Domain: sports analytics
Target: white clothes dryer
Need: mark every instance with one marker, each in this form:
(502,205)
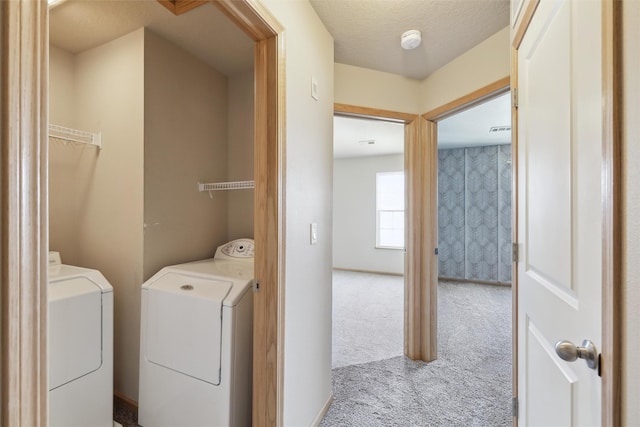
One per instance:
(196,342)
(80,346)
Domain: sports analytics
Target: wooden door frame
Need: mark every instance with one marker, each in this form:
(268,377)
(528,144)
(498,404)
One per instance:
(24,232)
(269,232)
(420,304)
(429,125)
(611,179)
(24,214)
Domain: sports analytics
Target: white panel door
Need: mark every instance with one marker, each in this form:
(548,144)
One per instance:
(559,211)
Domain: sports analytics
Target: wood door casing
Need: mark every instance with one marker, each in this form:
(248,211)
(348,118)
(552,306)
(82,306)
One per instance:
(420,309)
(269,140)
(24,233)
(430,135)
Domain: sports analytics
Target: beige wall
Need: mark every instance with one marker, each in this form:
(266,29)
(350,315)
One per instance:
(309,165)
(354,218)
(61,89)
(240,163)
(185,134)
(631,219)
(375,89)
(109,191)
(63,157)
(484,64)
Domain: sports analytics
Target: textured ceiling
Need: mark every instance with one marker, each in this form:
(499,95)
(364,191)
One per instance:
(367,32)
(358,137)
(78,25)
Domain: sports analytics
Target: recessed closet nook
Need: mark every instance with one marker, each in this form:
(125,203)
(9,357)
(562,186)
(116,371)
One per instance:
(172,99)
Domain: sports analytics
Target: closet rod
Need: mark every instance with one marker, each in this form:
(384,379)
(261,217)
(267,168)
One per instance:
(233,185)
(74,135)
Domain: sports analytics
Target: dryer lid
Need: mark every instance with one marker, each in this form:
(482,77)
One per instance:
(183,323)
(71,287)
(190,286)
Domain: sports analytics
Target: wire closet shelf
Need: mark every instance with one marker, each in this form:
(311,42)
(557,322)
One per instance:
(232,185)
(75,136)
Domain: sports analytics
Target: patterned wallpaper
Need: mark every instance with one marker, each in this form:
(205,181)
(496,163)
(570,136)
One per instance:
(504,213)
(451,218)
(474,213)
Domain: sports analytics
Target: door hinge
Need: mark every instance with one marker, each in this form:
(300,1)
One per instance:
(515,253)
(514,407)
(256,286)
(436,251)
(514,97)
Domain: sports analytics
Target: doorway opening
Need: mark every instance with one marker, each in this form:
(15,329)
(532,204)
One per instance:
(158,89)
(474,194)
(475,218)
(464,315)
(368,240)
(264,143)
(414,330)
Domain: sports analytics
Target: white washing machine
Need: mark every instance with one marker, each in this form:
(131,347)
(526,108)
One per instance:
(80,346)
(196,342)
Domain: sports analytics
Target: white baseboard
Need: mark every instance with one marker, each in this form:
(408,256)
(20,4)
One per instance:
(323,411)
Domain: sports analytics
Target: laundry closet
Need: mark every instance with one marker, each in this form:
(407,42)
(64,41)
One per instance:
(168,120)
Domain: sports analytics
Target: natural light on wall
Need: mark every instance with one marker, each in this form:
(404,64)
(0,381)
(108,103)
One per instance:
(390,210)
(54,3)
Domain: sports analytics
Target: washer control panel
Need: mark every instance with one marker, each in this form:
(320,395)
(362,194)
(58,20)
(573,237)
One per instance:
(236,249)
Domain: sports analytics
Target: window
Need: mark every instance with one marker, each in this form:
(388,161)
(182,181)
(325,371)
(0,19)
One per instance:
(390,210)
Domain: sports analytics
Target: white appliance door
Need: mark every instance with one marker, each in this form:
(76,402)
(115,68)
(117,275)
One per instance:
(75,330)
(183,324)
(559,129)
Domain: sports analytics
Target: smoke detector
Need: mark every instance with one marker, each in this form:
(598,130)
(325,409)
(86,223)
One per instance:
(410,39)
